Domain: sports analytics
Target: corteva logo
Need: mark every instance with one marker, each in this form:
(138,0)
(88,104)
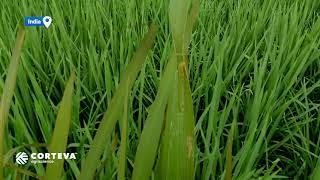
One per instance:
(22,158)
(35,158)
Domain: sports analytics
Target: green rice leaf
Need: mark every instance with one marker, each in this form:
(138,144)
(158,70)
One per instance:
(8,91)
(178,15)
(316,172)
(123,143)
(150,137)
(177,146)
(110,117)
(168,149)
(228,175)
(60,135)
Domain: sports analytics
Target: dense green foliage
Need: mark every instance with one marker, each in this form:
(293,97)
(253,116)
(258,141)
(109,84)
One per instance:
(254,72)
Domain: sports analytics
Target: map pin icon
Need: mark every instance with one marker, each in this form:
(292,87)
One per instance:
(47,21)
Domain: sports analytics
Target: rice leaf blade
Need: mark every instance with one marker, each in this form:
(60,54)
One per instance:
(177,145)
(60,135)
(123,143)
(316,172)
(228,175)
(110,117)
(8,92)
(150,137)
(177,151)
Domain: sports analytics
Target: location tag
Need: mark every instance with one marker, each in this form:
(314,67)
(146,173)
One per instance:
(47,21)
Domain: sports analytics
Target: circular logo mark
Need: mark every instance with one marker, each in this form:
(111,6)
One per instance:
(22,158)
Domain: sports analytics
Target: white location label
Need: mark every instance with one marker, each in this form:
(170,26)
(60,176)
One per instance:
(47,20)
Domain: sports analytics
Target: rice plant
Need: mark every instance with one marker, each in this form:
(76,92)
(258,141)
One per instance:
(221,89)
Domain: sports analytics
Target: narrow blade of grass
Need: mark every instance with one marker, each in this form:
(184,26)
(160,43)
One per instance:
(60,135)
(8,91)
(150,137)
(228,175)
(110,117)
(123,143)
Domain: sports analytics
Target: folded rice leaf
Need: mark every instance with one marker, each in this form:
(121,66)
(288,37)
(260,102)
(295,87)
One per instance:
(123,143)
(177,146)
(166,168)
(8,91)
(61,130)
(188,121)
(150,137)
(178,16)
(112,114)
